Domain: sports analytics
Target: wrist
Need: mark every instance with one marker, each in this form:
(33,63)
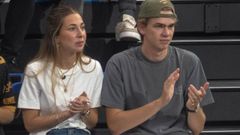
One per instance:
(85,114)
(193,110)
(160,103)
(69,113)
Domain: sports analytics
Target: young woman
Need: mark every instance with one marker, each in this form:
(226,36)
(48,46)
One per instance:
(61,89)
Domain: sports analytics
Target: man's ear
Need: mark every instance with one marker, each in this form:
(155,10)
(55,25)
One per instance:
(141,28)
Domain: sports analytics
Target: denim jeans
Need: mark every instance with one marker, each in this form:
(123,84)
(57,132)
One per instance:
(67,131)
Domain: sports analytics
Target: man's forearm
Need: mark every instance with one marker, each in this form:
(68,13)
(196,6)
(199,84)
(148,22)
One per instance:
(196,121)
(120,121)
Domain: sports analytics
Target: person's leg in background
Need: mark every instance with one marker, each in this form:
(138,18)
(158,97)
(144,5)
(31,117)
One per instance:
(18,19)
(126,29)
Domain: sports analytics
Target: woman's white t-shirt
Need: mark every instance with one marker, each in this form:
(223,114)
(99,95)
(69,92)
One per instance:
(36,91)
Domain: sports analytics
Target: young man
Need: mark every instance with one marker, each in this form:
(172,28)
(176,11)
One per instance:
(155,88)
(7,98)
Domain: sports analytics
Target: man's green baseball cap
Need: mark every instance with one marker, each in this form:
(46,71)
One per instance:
(154,8)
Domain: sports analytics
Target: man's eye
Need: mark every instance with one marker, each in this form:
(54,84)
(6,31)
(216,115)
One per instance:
(160,26)
(171,26)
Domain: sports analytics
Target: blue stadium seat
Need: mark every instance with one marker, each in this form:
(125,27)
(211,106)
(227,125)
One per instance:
(16,79)
(18,76)
(16,87)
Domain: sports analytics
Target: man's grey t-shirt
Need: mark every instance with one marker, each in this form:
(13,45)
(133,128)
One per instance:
(131,81)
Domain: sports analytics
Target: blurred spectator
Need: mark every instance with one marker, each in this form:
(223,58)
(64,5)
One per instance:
(7,97)
(126,29)
(19,16)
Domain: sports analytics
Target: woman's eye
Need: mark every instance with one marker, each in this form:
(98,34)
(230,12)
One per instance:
(82,27)
(71,28)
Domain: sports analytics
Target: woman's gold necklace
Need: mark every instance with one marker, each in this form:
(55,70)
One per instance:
(63,76)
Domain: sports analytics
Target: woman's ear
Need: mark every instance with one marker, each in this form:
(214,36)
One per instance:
(57,41)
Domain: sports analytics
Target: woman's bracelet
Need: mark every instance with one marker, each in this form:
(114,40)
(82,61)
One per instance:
(85,114)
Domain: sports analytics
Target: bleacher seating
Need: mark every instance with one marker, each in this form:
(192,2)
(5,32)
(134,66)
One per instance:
(209,28)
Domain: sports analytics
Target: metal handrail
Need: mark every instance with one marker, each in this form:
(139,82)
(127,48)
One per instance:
(225,84)
(204,40)
(222,131)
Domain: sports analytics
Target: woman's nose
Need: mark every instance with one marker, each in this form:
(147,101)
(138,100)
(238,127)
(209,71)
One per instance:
(80,32)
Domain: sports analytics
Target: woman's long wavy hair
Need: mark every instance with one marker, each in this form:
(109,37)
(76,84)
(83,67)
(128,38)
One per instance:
(49,51)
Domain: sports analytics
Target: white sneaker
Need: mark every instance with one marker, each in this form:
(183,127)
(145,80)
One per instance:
(126,30)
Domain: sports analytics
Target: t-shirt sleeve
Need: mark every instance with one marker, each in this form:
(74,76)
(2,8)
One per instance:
(95,96)
(113,89)
(197,78)
(29,93)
